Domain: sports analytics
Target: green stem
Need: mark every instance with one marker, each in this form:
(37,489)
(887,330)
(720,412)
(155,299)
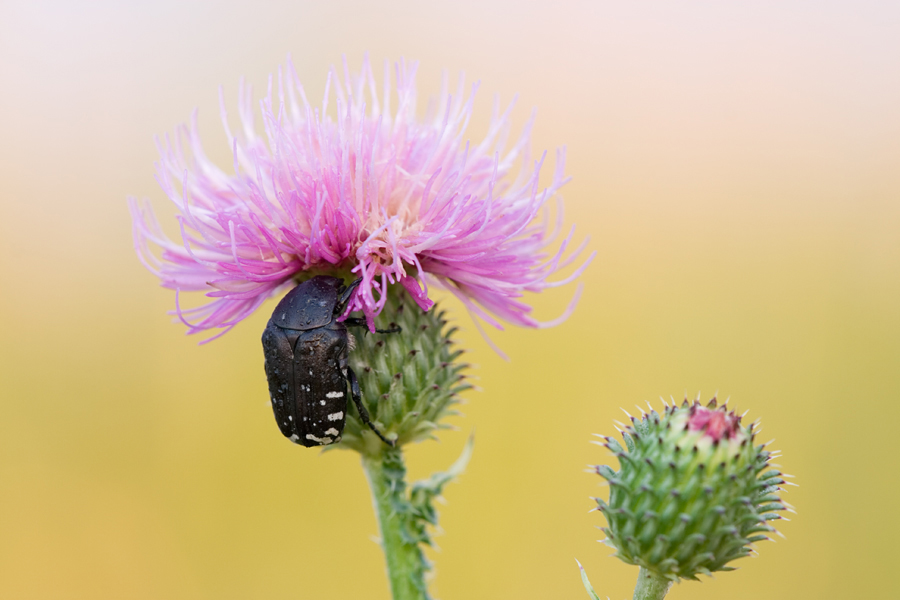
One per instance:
(406,565)
(651,586)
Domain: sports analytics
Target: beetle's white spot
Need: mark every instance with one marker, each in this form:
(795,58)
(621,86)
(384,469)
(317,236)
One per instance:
(334,395)
(295,438)
(336,416)
(310,373)
(283,315)
(324,441)
(322,402)
(290,418)
(332,431)
(304,418)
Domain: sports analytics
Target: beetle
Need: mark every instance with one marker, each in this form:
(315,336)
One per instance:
(306,360)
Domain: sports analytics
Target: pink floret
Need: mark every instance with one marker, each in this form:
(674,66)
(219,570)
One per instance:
(717,424)
(370,188)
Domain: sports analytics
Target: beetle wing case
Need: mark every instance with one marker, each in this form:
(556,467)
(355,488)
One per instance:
(320,385)
(279,371)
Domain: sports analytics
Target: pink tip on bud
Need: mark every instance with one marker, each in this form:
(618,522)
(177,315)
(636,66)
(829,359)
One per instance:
(717,424)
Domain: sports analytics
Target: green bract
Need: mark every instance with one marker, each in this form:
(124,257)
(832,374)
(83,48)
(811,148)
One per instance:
(692,493)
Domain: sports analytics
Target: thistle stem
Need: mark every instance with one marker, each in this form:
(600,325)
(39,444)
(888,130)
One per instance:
(406,565)
(651,586)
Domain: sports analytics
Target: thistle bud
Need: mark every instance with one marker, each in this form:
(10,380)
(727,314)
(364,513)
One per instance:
(692,493)
(410,380)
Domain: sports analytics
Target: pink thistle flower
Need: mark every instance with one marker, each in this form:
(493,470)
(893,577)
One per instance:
(373,190)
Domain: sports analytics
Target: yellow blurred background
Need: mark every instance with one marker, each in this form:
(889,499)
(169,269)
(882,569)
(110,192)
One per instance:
(736,165)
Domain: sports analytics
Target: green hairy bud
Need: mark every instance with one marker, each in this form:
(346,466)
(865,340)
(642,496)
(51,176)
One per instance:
(693,492)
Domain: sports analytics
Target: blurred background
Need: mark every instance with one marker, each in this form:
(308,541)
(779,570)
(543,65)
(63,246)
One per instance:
(736,166)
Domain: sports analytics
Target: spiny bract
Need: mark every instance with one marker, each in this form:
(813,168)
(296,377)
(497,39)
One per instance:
(692,493)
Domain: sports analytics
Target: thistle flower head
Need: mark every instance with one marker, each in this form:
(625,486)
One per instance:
(369,188)
(693,492)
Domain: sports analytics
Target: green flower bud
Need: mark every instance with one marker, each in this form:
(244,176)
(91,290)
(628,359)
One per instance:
(693,492)
(410,381)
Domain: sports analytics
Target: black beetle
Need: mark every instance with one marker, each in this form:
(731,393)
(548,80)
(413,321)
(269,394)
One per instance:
(306,351)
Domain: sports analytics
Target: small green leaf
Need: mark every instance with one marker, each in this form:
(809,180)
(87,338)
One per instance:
(432,486)
(587,584)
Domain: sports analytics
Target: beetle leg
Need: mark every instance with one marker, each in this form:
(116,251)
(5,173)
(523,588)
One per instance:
(344,297)
(357,322)
(357,400)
